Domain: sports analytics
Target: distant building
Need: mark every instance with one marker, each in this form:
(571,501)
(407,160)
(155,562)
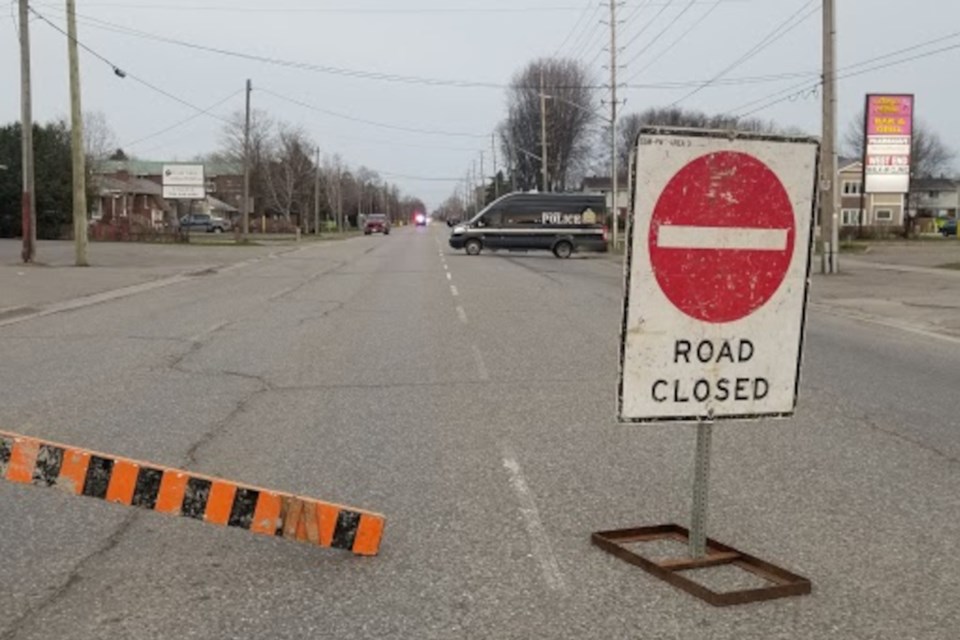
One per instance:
(883,212)
(123,199)
(604,185)
(224,186)
(935,198)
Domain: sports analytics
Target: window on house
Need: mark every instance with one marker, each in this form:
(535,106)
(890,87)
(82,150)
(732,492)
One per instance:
(850,217)
(851,188)
(884,215)
(211,186)
(933,194)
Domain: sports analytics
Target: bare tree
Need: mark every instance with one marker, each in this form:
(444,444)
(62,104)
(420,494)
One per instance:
(569,115)
(930,155)
(261,143)
(289,173)
(333,179)
(99,141)
(629,125)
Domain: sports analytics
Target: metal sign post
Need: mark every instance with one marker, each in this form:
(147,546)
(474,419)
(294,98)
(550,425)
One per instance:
(716,278)
(701,482)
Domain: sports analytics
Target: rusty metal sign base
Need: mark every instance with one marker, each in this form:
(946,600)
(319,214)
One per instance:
(783,584)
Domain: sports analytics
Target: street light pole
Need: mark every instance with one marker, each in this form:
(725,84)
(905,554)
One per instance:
(28,205)
(76,142)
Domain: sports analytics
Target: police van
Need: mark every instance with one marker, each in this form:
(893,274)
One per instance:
(563,223)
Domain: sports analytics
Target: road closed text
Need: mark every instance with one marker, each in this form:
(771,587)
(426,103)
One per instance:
(726,355)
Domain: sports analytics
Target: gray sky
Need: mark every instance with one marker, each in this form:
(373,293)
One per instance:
(463,40)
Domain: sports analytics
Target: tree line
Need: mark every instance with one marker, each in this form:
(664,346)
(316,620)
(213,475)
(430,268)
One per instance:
(578,134)
(284,175)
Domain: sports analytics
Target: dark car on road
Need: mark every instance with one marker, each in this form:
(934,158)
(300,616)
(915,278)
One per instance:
(949,228)
(376,223)
(204,222)
(562,223)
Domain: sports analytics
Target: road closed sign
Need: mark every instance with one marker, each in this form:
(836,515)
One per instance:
(718,261)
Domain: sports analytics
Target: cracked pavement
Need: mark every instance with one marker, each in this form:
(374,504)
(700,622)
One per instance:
(344,371)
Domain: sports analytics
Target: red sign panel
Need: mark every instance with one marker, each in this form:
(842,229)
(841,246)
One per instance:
(722,237)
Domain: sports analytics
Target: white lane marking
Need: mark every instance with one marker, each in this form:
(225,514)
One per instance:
(481,365)
(539,542)
(449,276)
(685,237)
(462,313)
(850,314)
(454,290)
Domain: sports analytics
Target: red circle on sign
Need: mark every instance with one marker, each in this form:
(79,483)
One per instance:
(722,237)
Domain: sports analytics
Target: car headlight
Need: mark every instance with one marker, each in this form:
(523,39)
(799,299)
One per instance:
(458,230)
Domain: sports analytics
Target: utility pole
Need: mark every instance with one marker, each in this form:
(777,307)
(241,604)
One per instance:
(28,204)
(483,182)
(473,185)
(829,233)
(316,194)
(543,134)
(496,175)
(245,207)
(76,142)
(613,123)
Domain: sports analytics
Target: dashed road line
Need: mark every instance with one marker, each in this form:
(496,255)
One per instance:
(540,545)
(461,312)
(454,290)
(449,276)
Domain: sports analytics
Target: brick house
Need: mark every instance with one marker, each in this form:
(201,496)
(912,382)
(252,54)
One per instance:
(121,199)
(224,183)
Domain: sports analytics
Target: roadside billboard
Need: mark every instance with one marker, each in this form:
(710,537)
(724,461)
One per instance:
(183,182)
(889,135)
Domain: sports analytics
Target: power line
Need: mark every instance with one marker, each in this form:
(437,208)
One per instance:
(798,90)
(586,34)
(583,14)
(373,123)
(662,32)
(185,120)
(227,8)
(126,74)
(648,25)
(663,52)
(779,32)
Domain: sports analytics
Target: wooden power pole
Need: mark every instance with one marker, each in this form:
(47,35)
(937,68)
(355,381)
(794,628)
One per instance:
(614,170)
(76,142)
(245,206)
(829,233)
(28,203)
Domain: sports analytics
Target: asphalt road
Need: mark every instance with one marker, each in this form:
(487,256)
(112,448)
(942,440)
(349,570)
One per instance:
(471,400)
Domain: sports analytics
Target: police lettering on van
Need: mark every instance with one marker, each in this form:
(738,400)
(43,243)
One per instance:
(563,223)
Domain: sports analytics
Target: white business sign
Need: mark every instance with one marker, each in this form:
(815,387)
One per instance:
(889,139)
(183,175)
(716,280)
(182,192)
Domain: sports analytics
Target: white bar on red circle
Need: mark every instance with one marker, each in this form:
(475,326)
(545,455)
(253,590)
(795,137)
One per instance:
(744,239)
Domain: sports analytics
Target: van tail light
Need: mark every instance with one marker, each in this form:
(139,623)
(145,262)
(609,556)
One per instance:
(606,234)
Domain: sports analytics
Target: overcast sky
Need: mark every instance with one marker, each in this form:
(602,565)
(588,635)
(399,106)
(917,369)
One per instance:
(472,41)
